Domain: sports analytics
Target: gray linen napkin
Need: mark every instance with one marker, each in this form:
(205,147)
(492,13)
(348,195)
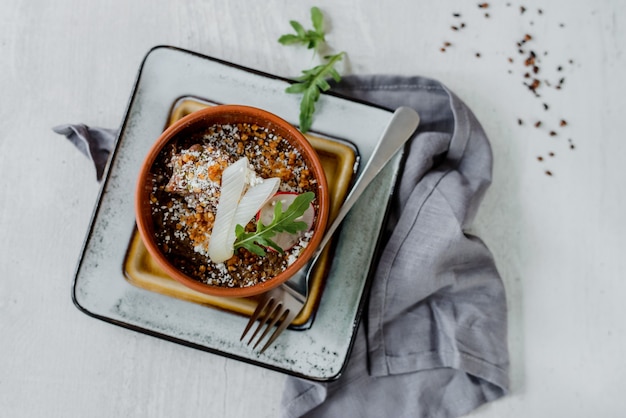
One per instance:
(433,342)
(95,143)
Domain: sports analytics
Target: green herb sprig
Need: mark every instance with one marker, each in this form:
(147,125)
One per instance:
(257,241)
(311,38)
(313,81)
(311,84)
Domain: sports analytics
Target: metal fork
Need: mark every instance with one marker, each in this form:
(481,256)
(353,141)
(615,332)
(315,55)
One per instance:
(279,307)
(282,304)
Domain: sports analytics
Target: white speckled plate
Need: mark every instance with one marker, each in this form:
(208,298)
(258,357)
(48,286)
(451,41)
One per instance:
(100,289)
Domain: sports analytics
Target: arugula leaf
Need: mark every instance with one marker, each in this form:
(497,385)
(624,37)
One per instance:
(311,83)
(282,222)
(311,38)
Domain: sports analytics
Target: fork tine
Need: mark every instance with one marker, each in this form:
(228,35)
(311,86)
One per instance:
(269,307)
(257,312)
(279,314)
(281,327)
(265,319)
(275,312)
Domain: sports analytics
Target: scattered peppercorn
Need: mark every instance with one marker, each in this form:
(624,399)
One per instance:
(534,86)
(537,75)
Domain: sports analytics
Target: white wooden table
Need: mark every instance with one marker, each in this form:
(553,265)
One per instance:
(559,239)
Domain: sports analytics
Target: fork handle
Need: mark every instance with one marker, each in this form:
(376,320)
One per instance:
(400,128)
(398,131)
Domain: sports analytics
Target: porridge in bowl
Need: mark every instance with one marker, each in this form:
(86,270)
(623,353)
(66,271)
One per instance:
(232,204)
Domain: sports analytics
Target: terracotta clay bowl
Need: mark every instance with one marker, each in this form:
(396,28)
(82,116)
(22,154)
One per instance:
(194,126)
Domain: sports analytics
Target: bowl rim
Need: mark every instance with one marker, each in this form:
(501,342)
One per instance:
(144,222)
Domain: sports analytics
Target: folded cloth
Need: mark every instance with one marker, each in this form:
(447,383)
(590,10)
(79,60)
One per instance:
(433,342)
(95,143)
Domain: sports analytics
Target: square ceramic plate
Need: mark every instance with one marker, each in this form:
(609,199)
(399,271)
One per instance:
(339,160)
(100,289)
